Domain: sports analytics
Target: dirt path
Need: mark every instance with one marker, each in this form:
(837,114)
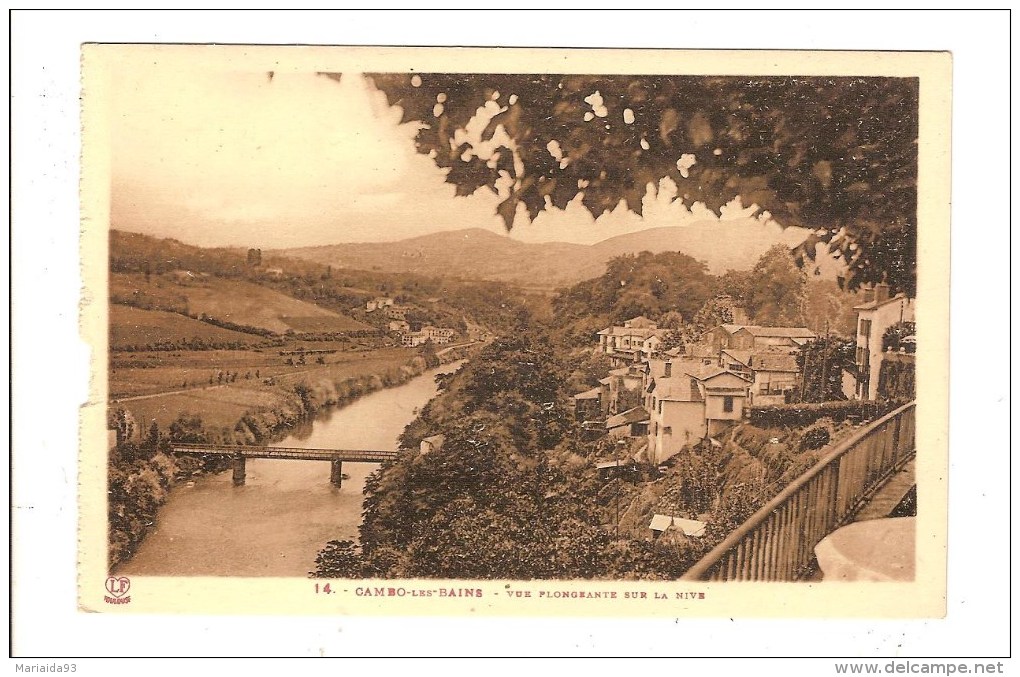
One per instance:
(163,393)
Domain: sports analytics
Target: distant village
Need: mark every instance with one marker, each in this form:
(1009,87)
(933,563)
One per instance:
(398,324)
(665,400)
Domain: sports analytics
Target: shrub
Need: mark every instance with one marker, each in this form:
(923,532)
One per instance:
(815,438)
(792,415)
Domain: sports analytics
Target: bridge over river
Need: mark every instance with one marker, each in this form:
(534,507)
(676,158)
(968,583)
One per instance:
(240,452)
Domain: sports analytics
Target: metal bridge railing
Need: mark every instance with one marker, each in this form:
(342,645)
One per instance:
(777,542)
(251,451)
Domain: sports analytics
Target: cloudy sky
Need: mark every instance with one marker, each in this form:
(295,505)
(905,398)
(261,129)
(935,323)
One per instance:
(239,158)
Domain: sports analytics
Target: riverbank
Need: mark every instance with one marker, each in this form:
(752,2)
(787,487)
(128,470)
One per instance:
(276,523)
(142,474)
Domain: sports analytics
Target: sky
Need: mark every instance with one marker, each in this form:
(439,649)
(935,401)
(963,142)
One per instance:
(235,158)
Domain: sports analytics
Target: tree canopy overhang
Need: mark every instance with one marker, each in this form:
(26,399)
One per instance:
(836,155)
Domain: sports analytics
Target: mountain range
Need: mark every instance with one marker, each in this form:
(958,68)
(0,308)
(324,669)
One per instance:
(479,253)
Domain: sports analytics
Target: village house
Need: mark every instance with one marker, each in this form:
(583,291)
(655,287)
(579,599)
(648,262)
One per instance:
(378,303)
(588,405)
(630,423)
(737,361)
(399,325)
(614,468)
(412,339)
(621,381)
(638,339)
(688,401)
(439,335)
(396,312)
(700,352)
(756,338)
(774,373)
(874,317)
(721,337)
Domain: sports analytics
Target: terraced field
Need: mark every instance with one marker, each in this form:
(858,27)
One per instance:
(235,301)
(136,327)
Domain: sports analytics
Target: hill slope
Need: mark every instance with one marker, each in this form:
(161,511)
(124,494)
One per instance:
(478,253)
(136,328)
(471,253)
(735,244)
(236,301)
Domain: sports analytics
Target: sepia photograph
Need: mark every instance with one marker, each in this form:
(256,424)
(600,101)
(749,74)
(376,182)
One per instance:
(447,326)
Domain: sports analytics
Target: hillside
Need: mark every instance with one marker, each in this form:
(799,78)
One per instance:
(165,274)
(227,300)
(723,245)
(470,253)
(479,253)
(136,328)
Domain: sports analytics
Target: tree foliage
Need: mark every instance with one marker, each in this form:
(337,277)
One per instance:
(776,291)
(643,284)
(837,155)
(893,337)
(139,475)
(821,363)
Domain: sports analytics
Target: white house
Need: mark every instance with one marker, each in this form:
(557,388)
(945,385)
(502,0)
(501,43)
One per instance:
(412,339)
(439,335)
(873,319)
(638,339)
(688,401)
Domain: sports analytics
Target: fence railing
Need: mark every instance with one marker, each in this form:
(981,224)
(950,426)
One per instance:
(777,542)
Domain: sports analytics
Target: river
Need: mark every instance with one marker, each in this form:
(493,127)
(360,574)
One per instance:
(287,510)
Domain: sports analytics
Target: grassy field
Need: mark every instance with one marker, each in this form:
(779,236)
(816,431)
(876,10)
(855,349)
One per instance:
(234,301)
(136,327)
(220,403)
(222,384)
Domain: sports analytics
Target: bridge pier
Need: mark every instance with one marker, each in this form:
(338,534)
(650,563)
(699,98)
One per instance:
(239,470)
(336,473)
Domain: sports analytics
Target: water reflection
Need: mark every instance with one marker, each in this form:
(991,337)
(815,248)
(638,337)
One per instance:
(287,510)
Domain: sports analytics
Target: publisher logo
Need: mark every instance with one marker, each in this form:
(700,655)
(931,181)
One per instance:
(118,586)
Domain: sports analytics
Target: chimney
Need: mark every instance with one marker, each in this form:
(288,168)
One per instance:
(869,294)
(881,292)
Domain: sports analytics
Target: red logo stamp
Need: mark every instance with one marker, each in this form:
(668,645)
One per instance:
(118,586)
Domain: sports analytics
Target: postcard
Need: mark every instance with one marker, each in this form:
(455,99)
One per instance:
(516,332)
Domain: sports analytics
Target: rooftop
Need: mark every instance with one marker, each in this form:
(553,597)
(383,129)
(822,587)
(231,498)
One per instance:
(878,304)
(688,527)
(640,322)
(784,332)
(774,362)
(635,415)
(741,356)
(631,331)
(681,388)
